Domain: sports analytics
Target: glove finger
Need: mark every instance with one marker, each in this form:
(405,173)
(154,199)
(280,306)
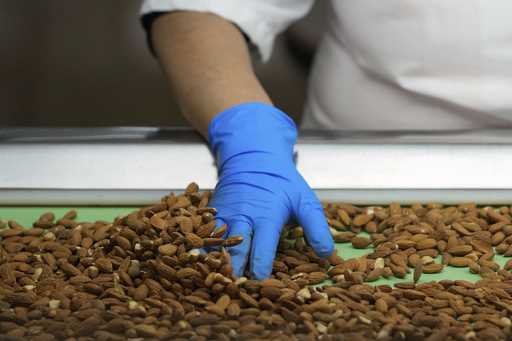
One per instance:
(264,246)
(312,219)
(240,253)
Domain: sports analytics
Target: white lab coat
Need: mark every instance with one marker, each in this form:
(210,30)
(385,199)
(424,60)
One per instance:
(391,64)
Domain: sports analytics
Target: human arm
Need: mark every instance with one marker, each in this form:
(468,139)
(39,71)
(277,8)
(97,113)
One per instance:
(208,65)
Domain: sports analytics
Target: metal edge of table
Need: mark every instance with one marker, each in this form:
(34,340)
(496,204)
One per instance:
(70,197)
(127,166)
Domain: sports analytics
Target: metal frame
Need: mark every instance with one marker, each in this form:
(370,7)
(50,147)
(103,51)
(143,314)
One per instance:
(106,166)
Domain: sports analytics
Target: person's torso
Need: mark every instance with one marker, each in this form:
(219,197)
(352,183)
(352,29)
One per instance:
(398,64)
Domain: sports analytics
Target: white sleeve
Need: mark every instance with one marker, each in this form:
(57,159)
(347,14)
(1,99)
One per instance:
(260,20)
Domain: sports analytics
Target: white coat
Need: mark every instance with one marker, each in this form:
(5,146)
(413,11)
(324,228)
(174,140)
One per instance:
(391,64)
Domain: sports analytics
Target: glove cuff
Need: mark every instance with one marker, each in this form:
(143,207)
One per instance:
(252,128)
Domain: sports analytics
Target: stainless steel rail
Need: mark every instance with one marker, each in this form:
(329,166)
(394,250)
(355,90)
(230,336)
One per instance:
(124,166)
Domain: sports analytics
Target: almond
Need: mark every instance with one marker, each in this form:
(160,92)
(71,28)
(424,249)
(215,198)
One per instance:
(360,242)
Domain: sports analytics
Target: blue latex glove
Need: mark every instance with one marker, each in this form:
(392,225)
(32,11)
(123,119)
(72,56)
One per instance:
(259,187)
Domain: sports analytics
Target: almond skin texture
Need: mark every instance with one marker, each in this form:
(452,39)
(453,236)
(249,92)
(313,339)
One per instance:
(165,272)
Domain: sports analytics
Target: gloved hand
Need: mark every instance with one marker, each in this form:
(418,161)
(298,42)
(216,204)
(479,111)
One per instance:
(259,187)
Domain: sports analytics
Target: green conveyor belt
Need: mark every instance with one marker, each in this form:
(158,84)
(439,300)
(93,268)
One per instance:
(26,215)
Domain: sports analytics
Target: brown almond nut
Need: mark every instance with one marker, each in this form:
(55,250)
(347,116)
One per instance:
(80,279)
(185,224)
(69,269)
(417,233)
(487,256)
(337,270)
(248,300)
(413,259)
(12,247)
(452,241)
(344,217)
(125,278)
(219,232)
(123,242)
(461,229)
(101,232)
(233,309)
(360,242)
(321,305)
(418,270)
(371,227)
(6,233)
(76,237)
(181,202)
(373,275)
(167,249)
(272,282)
(87,242)
(361,220)
(399,271)
(459,250)
(427,243)
(336,224)
(474,267)
(104,264)
(93,288)
(20,299)
(307,267)
(441,245)
(272,293)
(233,241)
(316,277)
(214,309)
(432,268)
(501,248)
(398,259)
(334,259)
(343,237)
(508,252)
(507,229)
(223,301)
(362,264)
(489,264)
(459,261)
(204,231)
(508,265)
(158,222)
(168,272)
(141,292)
(497,238)
(193,240)
(405,244)
(192,188)
(481,245)
(147,331)
(414,294)
(210,242)
(188,273)
(381,305)
(428,253)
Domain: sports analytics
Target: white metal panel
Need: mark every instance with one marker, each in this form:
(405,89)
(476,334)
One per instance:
(131,168)
(105,166)
(406,166)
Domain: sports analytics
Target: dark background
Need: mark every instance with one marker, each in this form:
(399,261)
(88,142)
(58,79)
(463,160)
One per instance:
(86,63)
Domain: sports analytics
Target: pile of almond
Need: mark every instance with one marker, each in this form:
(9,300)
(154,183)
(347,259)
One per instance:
(420,237)
(164,273)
